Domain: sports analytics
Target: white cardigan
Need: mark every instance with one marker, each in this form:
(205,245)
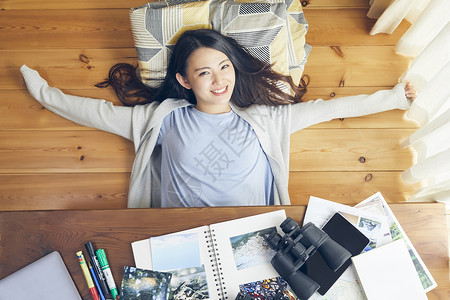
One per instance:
(273,126)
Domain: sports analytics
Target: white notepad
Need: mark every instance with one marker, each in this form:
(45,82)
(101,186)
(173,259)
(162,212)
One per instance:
(47,278)
(388,273)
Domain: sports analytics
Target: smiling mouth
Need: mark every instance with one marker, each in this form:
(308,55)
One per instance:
(221,91)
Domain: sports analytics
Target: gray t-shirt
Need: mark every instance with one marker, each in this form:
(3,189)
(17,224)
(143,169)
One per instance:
(212,160)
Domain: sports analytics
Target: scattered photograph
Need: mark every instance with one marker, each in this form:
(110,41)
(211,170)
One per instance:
(251,249)
(143,284)
(175,251)
(371,228)
(188,284)
(267,289)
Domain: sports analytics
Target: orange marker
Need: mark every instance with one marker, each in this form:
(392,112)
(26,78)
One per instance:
(87,275)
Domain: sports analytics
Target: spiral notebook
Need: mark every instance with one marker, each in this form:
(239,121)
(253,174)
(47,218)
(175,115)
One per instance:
(213,260)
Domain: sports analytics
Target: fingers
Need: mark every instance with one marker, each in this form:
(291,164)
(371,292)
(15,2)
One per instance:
(410,92)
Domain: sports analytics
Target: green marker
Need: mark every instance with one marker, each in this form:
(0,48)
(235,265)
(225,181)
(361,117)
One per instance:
(105,267)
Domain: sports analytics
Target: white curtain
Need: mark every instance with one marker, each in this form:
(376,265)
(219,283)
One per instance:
(428,41)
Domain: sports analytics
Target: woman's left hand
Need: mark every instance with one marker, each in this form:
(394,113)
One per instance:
(410,92)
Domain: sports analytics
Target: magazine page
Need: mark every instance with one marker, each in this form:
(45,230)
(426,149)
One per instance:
(377,203)
(242,252)
(184,254)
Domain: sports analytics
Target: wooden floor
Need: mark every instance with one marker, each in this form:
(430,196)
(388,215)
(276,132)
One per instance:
(47,162)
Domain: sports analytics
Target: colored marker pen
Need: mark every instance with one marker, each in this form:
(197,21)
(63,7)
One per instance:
(105,267)
(88,277)
(97,269)
(97,285)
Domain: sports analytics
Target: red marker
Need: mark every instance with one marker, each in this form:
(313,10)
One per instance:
(87,275)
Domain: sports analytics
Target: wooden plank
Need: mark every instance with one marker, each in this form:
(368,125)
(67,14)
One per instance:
(63,191)
(64,151)
(336,91)
(40,29)
(69,4)
(88,4)
(65,69)
(337,4)
(19,111)
(331,27)
(348,187)
(110,28)
(355,66)
(350,150)
(95,151)
(109,190)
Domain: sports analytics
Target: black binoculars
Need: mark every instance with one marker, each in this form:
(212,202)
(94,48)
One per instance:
(295,247)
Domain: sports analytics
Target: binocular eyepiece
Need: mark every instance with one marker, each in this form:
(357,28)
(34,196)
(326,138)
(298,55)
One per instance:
(295,247)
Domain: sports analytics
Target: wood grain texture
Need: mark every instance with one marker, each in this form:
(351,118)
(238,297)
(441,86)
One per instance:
(64,191)
(74,43)
(20,111)
(69,4)
(110,28)
(65,69)
(67,231)
(64,151)
(96,151)
(65,29)
(110,190)
(346,27)
(349,66)
(348,188)
(350,150)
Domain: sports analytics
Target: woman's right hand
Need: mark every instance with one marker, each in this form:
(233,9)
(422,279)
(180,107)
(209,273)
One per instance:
(410,92)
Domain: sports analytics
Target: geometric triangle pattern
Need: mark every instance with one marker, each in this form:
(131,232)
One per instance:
(156,27)
(257,27)
(271,30)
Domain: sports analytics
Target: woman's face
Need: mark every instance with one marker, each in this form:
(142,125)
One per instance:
(210,75)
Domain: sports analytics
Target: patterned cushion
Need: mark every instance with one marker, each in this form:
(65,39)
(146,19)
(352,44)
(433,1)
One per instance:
(258,27)
(298,49)
(272,30)
(156,27)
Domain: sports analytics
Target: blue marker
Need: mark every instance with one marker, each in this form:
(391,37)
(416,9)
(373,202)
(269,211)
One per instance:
(97,285)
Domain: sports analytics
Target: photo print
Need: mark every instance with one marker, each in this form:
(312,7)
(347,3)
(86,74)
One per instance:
(175,251)
(188,284)
(251,249)
(371,229)
(264,289)
(140,284)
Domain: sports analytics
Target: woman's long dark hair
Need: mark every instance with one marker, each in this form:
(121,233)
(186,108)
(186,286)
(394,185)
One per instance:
(256,82)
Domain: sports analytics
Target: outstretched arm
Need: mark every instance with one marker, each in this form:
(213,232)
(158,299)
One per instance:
(318,111)
(89,112)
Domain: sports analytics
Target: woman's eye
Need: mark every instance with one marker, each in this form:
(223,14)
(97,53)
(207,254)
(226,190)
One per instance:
(225,66)
(203,73)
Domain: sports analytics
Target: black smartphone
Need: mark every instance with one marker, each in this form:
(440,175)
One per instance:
(348,236)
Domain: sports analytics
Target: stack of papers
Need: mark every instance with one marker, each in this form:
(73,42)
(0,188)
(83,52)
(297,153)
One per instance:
(375,219)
